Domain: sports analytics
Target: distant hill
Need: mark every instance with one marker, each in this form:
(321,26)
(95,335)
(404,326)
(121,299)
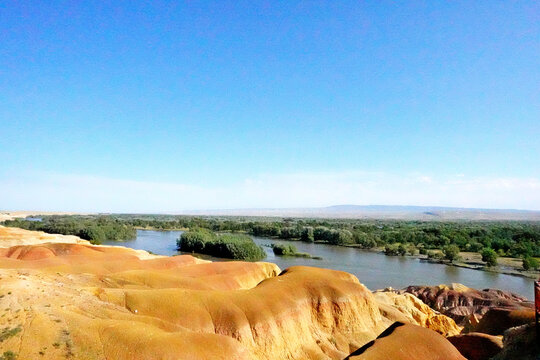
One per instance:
(389,212)
(382,212)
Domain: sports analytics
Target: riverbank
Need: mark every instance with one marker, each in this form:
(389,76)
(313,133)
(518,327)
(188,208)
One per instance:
(469,260)
(158,229)
(81,301)
(377,271)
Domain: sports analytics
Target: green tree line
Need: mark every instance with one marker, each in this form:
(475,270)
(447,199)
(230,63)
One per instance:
(94,229)
(505,238)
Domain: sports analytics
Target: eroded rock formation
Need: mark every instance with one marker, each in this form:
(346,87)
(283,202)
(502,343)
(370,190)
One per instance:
(407,342)
(497,320)
(408,308)
(80,301)
(477,346)
(465,305)
(521,343)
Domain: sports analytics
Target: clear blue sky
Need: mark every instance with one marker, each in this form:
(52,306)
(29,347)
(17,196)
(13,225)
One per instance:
(206,98)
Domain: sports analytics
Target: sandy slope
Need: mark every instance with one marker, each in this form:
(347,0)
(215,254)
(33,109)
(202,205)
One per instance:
(14,236)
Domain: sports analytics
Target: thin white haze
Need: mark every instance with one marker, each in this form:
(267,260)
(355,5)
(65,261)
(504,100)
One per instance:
(61,192)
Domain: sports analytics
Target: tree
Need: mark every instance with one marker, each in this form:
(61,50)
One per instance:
(319,233)
(94,233)
(451,252)
(282,249)
(474,246)
(307,234)
(530,263)
(489,256)
(411,249)
(391,249)
(402,250)
(365,240)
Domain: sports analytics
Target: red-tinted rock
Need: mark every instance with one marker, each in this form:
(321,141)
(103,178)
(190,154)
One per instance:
(466,305)
(407,342)
(520,343)
(477,346)
(497,320)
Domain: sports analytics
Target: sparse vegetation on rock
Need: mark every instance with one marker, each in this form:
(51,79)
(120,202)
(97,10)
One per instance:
(8,332)
(8,355)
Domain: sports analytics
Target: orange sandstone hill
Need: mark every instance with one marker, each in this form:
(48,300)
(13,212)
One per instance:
(13,236)
(72,300)
(405,341)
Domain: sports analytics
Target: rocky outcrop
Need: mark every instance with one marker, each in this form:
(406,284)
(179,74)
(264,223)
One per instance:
(477,346)
(465,305)
(407,308)
(81,301)
(76,300)
(497,320)
(302,313)
(520,343)
(407,342)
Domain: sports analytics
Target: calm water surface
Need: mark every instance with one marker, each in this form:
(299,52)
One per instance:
(374,270)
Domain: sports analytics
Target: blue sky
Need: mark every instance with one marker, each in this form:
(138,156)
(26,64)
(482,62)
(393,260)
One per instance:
(165,106)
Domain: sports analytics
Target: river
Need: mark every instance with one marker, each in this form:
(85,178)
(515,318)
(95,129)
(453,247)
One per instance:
(374,270)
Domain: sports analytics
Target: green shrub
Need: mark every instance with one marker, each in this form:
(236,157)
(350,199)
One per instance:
(333,236)
(435,255)
(365,240)
(451,252)
(8,355)
(400,249)
(7,332)
(290,250)
(391,249)
(474,246)
(412,249)
(231,246)
(282,249)
(289,232)
(307,234)
(195,240)
(489,256)
(530,263)
(94,233)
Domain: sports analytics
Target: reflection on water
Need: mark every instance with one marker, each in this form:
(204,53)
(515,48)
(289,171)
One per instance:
(374,270)
(451,271)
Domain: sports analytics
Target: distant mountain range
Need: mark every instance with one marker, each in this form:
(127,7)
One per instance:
(382,212)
